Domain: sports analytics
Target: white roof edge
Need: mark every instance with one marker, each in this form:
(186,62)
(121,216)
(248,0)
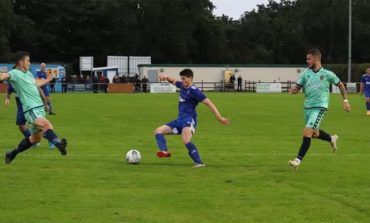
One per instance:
(104,68)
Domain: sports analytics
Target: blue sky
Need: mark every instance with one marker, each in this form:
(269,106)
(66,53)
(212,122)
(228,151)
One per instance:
(235,8)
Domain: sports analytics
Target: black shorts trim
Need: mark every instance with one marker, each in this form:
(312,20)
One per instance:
(316,107)
(319,117)
(33,108)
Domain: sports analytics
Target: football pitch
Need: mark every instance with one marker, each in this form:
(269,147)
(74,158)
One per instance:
(247,178)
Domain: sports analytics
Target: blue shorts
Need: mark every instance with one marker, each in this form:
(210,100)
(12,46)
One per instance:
(179,124)
(367,94)
(20,120)
(45,89)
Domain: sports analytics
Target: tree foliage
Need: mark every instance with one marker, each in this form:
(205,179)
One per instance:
(182,31)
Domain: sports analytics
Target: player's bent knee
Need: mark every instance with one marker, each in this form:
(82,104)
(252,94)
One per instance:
(186,140)
(158,131)
(316,134)
(35,138)
(43,124)
(307,132)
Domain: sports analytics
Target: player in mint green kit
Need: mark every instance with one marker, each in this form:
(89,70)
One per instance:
(315,82)
(27,89)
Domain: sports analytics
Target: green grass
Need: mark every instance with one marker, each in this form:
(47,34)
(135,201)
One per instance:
(247,178)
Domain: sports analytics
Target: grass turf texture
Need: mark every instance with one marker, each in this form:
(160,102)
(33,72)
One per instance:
(247,178)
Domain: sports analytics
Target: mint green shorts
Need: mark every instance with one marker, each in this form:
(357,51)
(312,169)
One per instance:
(33,114)
(313,117)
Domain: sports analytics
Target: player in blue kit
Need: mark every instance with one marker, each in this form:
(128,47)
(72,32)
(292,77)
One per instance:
(41,75)
(186,123)
(365,89)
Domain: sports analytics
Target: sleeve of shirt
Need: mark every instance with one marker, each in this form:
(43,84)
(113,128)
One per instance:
(12,76)
(334,79)
(198,95)
(302,79)
(178,84)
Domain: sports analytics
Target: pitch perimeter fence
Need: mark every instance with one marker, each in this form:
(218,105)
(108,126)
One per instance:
(246,86)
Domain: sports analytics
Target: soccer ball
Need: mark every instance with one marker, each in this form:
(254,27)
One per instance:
(133,156)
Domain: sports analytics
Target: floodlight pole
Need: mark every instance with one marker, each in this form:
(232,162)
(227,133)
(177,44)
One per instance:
(349,73)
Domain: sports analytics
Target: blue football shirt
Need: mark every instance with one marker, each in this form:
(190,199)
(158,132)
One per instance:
(365,79)
(189,99)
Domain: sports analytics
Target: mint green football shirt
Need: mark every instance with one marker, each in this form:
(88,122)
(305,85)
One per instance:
(26,88)
(316,87)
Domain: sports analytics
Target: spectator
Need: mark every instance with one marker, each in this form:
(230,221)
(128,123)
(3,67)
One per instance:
(232,81)
(116,79)
(240,80)
(87,80)
(137,84)
(105,84)
(81,79)
(101,82)
(95,84)
(52,85)
(144,82)
(64,85)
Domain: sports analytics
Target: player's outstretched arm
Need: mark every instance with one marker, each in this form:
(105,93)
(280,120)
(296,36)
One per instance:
(215,111)
(343,91)
(42,82)
(4,76)
(295,89)
(164,77)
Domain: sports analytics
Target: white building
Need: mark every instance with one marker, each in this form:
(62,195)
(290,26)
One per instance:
(218,73)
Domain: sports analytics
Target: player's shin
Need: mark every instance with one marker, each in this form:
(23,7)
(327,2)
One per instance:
(60,144)
(23,146)
(52,137)
(161,142)
(368,106)
(304,147)
(324,136)
(193,153)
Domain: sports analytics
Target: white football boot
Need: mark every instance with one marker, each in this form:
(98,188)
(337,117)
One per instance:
(294,163)
(333,143)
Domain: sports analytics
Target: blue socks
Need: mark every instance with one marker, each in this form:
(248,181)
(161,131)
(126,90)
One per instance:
(161,142)
(368,106)
(304,147)
(52,137)
(26,133)
(193,152)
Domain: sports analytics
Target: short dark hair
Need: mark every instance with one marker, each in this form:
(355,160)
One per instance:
(187,73)
(314,52)
(20,55)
